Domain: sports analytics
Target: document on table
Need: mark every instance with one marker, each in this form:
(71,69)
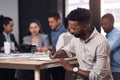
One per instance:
(4,56)
(40,58)
(7,57)
(47,58)
(21,55)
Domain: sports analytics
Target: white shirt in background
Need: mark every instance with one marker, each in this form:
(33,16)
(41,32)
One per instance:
(63,40)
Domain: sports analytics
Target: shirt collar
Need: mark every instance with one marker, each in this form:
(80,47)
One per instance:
(95,32)
(7,36)
(60,26)
(111,32)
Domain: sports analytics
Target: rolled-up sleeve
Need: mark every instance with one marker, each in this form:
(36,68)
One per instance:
(70,48)
(101,68)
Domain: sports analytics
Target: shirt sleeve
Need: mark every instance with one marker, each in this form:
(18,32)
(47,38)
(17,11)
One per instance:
(70,48)
(101,69)
(60,42)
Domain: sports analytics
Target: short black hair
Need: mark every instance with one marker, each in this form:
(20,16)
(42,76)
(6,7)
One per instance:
(81,15)
(65,23)
(109,16)
(55,15)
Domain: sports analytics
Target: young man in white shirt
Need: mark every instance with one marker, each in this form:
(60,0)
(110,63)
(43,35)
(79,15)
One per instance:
(91,49)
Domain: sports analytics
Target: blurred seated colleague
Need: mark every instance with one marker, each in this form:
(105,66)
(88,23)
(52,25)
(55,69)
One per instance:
(6,27)
(57,27)
(37,37)
(63,40)
(65,37)
(91,48)
(113,36)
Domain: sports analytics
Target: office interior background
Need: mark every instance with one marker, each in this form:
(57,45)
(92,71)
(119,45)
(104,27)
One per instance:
(22,11)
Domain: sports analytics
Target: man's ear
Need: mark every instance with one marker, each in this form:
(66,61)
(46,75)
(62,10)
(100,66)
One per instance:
(58,21)
(85,26)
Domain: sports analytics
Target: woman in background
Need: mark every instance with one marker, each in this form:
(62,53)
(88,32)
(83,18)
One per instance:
(6,27)
(36,36)
(41,41)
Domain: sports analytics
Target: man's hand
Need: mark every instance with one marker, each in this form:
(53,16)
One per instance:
(52,55)
(58,54)
(65,64)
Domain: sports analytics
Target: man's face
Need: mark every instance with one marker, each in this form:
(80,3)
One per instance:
(53,23)
(106,25)
(76,29)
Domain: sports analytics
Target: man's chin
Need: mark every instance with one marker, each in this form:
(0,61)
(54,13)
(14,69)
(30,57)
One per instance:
(77,36)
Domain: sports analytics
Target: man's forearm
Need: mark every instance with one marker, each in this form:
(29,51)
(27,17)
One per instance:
(83,73)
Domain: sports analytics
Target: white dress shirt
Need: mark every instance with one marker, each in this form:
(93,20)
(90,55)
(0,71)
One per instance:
(63,40)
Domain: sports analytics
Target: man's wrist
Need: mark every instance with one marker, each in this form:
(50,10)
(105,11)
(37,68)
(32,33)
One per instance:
(75,69)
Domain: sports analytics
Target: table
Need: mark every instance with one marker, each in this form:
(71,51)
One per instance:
(26,63)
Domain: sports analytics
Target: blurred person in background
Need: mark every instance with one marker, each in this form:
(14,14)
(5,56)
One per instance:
(57,27)
(65,37)
(41,40)
(36,36)
(63,40)
(6,28)
(113,36)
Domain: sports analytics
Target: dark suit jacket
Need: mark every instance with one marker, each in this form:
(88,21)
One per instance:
(2,40)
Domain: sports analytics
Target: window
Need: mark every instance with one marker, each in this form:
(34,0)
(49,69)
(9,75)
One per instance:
(113,7)
(73,4)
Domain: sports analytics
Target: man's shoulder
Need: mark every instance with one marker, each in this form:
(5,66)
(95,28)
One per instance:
(114,32)
(117,31)
(63,28)
(102,40)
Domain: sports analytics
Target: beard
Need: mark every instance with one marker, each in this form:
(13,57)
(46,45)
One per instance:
(79,35)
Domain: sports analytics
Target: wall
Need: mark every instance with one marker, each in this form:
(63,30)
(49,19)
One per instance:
(35,9)
(10,8)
